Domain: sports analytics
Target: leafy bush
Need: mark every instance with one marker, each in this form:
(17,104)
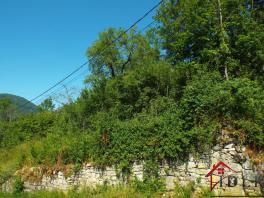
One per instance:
(18,185)
(149,186)
(238,103)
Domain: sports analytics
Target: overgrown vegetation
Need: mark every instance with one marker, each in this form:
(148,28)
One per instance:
(139,190)
(156,96)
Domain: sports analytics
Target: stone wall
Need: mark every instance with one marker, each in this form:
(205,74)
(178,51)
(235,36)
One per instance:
(234,156)
(184,172)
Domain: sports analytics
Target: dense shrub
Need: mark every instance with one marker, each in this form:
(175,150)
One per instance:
(26,128)
(238,103)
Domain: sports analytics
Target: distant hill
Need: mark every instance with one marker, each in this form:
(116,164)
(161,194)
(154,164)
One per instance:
(21,104)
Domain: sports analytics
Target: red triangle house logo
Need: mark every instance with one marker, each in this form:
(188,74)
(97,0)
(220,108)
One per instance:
(219,169)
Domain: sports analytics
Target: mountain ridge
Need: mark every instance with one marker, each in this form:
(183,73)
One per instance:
(22,105)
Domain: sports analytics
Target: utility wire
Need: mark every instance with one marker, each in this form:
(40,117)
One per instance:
(56,91)
(147,26)
(53,93)
(99,53)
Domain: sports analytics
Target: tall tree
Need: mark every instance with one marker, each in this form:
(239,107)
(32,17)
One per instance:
(47,105)
(7,110)
(223,34)
(112,57)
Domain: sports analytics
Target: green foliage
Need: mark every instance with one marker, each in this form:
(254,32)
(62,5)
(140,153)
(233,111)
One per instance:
(25,128)
(149,187)
(7,111)
(98,192)
(156,96)
(205,193)
(60,148)
(47,105)
(132,48)
(184,191)
(238,102)
(153,189)
(193,30)
(18,185)
(12,159)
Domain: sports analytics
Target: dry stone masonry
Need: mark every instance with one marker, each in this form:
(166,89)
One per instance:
(193,170)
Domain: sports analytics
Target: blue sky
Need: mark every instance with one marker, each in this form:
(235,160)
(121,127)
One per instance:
(41,41)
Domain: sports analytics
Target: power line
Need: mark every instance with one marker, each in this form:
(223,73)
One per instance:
(81,74)
(147,26)
(53,93)
(86,70)
(99,53)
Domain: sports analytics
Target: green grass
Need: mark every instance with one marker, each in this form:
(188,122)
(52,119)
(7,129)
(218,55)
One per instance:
(119,191)
(99,192)
(12,159)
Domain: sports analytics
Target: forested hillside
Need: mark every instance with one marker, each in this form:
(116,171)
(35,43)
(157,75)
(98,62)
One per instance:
(16,104)
(155,96)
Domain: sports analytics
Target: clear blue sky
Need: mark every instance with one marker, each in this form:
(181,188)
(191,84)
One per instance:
(41,41)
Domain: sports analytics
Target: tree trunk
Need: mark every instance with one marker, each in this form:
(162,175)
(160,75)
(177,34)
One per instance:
(222,36)
(226,74)
(125,63)
(112,70)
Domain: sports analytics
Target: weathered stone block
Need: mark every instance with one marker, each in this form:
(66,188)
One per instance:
(249,175)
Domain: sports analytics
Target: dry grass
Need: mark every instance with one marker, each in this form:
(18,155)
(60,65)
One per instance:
(256,156)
